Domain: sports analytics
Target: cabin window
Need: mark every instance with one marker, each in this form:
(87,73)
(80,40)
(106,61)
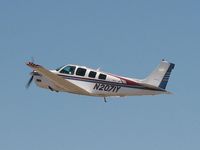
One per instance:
(81,72)
(68,70)
(92,74)
(102,76)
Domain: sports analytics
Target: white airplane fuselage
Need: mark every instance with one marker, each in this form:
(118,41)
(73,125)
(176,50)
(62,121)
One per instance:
(101,84)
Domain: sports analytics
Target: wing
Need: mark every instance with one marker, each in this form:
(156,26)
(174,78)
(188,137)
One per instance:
(57,80)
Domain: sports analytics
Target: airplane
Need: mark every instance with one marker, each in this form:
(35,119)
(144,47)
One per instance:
(82,80)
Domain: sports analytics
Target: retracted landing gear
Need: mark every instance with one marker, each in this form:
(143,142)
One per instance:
(52,89)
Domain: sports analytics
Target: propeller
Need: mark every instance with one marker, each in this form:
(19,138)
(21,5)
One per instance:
(31,79)
(32,59)
(29,82)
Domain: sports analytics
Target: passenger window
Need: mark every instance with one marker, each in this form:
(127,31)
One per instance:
(81,72)
(68,70)
(92,74)
(102,76)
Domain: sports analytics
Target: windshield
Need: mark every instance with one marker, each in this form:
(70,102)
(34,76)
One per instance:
(68,70)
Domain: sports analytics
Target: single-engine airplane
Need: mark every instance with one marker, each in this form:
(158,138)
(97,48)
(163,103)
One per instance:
(93,82)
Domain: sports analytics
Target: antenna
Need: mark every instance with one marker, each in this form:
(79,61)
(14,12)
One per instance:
(98,69)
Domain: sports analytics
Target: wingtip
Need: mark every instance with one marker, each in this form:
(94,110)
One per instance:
(32,65)
(27,63)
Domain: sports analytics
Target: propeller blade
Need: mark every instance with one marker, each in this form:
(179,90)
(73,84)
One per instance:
(32,59)
(29,82)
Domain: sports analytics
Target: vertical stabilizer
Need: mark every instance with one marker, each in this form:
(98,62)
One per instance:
(160,76)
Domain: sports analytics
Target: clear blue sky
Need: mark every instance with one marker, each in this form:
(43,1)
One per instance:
(124,37)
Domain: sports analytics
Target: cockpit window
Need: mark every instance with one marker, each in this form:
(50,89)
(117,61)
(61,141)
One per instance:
(68,70)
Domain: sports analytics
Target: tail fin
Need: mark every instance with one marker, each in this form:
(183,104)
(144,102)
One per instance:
(160,76)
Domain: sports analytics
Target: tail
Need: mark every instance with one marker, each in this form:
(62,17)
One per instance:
(160,76)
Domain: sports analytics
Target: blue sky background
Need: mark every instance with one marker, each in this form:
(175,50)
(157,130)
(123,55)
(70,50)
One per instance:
(123,37)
